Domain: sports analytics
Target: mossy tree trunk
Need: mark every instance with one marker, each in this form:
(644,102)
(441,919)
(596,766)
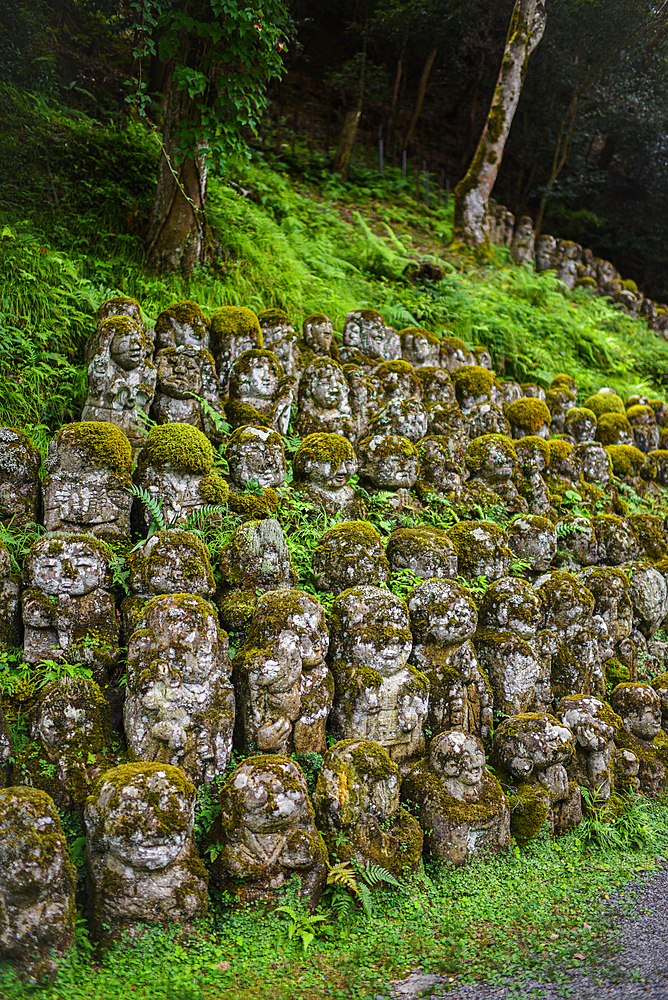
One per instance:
(177,228)
(472,193)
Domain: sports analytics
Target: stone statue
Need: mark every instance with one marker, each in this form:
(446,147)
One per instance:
(20,492)
(259,388)
(460,803)
(183,324)
(10,604)
(323,404)
(283,685)
(68,609)
(321,469)
(179,706)
(419,347)
(234,329)
(183,373)
(441,461)
(255,454)
(350,554)
(88,481)
(266,833)
(358,812)
(594,725)
(37,885)
(175,470)
(388,462)
(427,552)
(365,334)
(121,378)
(443,620)
(378,697)
(639,707)
(142,864)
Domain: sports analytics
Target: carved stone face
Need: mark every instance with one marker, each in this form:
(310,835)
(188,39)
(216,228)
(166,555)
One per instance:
(590,721)
(256,454)
(327,476)
(381,642)
(171,562)
(71,715)
(179,373)
(302,624)
(328,389)
(459,758)
(318,334)
(389,462)
(640,709)
(271,798)
(127,350)
(258,382)
(417,349)
(68,567)
(442,612)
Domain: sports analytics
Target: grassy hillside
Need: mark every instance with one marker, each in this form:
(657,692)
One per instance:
(75,195)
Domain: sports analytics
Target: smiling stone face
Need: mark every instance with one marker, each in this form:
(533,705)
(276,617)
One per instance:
(460,758)
(66,565)
(255,378)
(389,462)
(179,373)
(254,453)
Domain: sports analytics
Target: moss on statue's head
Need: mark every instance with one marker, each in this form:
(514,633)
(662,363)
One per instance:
(627,461)
(180,446)
(480,449)
(394,367)
(472,380)
(321,448)
(529,414)
(184,313)
(531,450)
(103,443)
(454,344)
(234,321)
(559,450)
(641,414)
(273,317)
(605,402)
(418,331)
(564,381)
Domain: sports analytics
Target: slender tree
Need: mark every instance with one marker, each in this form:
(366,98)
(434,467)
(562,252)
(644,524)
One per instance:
(526,29)
(218,57)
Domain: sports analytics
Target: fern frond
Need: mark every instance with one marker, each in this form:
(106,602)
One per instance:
(153,506)
(365,899)
(373,875)
(343,874)
(196,517)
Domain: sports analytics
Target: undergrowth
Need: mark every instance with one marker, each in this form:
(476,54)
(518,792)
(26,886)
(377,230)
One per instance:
(288,234)
(541,910)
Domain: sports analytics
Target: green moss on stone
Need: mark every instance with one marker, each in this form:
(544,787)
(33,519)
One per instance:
(605,402)
(180,446)
(104,443)
(529,414)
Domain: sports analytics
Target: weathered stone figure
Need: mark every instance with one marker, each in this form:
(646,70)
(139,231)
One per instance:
(183,373)
(357,808)
(37,884)
(267,834)
(179,706)
(427,552)
(10,601)
(259,388)
(350,554)
(443,620)
(460,804)
(378,696)
(283,686)
(365,333)
(234,329)
(594,725)
(639,707)
(419,347)
(175,469)
(142,865)
(88,481)
(388,462)
(441,461)
(19,479)
(255,454)
(322,467)
(68,608)
(121,379)
(323,404)
(183,324)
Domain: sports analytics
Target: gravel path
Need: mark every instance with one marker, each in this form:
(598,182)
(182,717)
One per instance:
(639,972)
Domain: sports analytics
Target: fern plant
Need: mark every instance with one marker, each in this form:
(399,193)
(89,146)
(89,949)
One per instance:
(357,882)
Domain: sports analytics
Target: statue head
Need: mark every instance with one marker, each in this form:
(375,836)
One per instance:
(256,454)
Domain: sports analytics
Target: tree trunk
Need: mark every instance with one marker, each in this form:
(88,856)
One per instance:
(177,228)
(472,193)
(422,90)
(349,129)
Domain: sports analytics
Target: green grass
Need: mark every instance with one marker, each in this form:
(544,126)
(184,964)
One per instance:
(541,911)
(299,239)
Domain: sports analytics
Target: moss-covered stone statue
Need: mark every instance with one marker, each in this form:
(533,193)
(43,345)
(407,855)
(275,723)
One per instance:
(121,378)
(645,430)
(68,609)
(595,726)
(401,417)
(388,462)
(37,885)
(186,375)
(365,333)
(256,559)
(71,742)
(88,481)
(142,864)
(454,354)
(533,539)
(436,385)
(441,461)
(358,811)
(512,649)
(482,549)
(254,456)
(443,620)
(234,329)
(266,833)
(259,391)
(529,417)
(321,469)
(378,696)
(580,424)
(530,754)
(533,459)
(427,552)
(169,562)
(20,493)
(576,543)
(419,347)
(175,469)
(179,704)
(579,637)
(182,324)
(284,688)
(350,554)
(639,707)
(612,601)
(323,404)
(460,804)
(616,540)
(492,460)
